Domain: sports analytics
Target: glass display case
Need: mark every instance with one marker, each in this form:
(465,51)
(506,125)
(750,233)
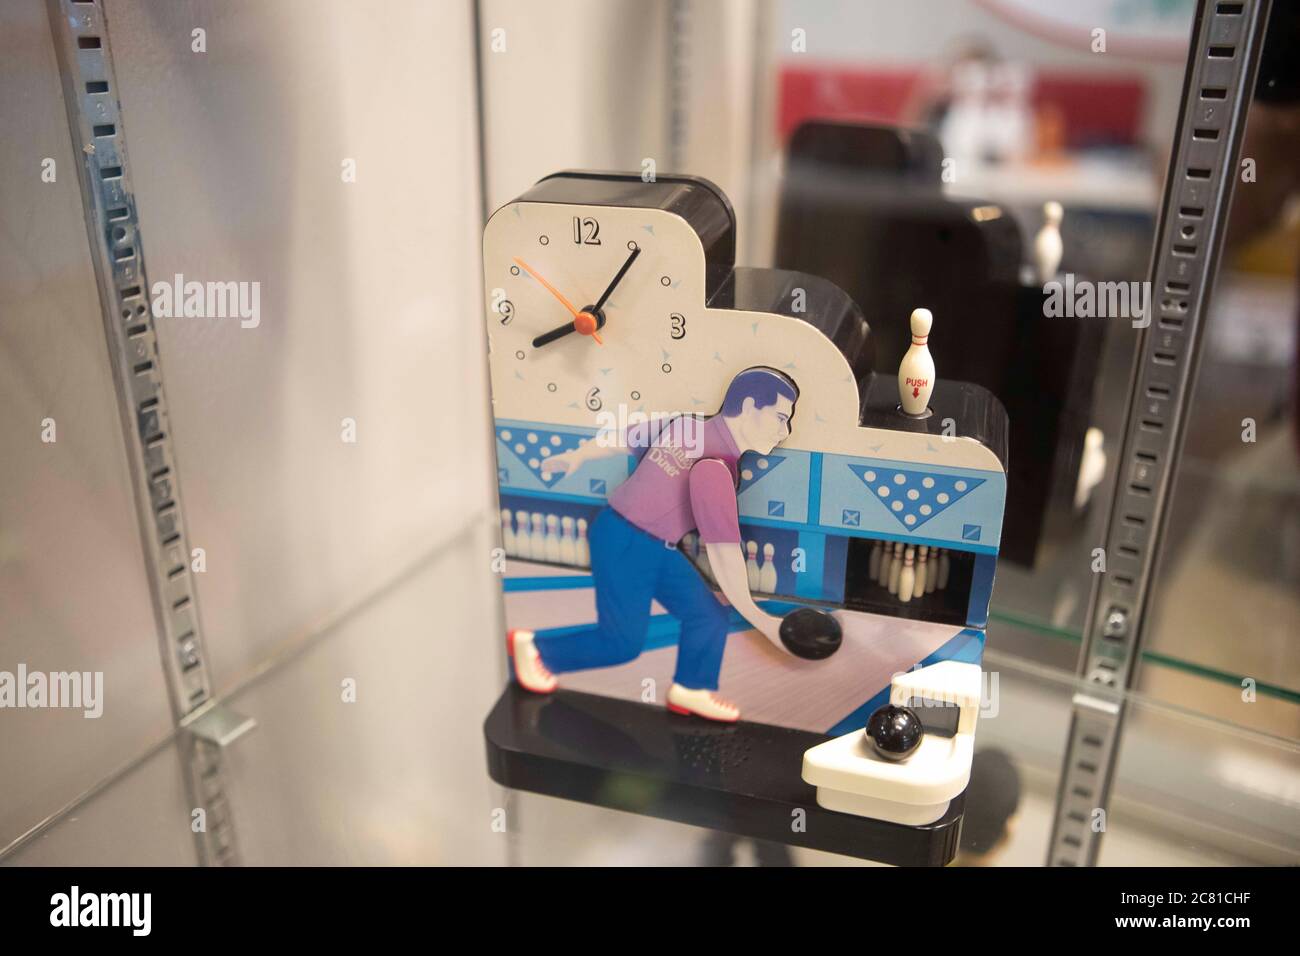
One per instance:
(1099,203)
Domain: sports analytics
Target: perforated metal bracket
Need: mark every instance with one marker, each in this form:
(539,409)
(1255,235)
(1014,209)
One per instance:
(218,724)
(203,762)
(81,41)
(1225,48)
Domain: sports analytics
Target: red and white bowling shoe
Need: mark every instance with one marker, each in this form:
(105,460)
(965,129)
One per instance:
(701,703)
(529,669)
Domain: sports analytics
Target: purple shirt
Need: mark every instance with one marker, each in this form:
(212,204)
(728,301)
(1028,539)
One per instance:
(686,480)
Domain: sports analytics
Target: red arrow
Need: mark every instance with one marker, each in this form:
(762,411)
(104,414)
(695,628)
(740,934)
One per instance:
(916,390)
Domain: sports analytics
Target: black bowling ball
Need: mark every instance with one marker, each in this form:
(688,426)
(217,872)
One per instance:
(894,732)
(811,634)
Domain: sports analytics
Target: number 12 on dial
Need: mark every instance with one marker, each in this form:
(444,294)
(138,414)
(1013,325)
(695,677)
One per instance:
(586,231)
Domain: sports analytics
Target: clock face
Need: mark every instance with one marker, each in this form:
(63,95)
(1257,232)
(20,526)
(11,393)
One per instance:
(635,278)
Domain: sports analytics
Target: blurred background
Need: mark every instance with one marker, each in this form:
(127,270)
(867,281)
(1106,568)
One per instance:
(329,561)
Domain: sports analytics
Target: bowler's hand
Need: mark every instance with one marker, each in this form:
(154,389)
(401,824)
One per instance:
(728,563)
(564,463)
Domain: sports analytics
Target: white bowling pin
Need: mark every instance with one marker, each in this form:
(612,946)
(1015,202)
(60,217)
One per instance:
(895,567)
(1048,248)
(538,537)
(944,568)
(582,547)
(1092,467)
(568,546)
(767,576)
(873,566)
(523,543)
(932,572)
(751,564)
(907,576)
(507,532)
(886,560)
(552,537)
(916,371)
(922,554)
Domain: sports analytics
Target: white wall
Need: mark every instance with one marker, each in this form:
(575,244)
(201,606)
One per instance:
(369,293)
(595,84)
(369,301)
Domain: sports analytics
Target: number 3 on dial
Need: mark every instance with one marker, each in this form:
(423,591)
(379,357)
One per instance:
(679,325)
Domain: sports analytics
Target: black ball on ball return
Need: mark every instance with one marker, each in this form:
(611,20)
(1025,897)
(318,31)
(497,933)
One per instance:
(811,633)
(894,732)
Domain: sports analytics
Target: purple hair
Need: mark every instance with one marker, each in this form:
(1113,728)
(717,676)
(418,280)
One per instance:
(761,384)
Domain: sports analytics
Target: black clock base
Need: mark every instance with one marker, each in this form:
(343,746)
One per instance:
(738,778)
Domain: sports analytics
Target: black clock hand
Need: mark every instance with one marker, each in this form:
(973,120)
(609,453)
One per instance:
(588,322)
(600,303)
(546,338)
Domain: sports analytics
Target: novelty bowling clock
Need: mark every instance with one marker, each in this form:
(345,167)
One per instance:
(700,483)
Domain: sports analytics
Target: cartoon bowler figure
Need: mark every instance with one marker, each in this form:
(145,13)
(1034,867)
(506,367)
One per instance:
(686,480)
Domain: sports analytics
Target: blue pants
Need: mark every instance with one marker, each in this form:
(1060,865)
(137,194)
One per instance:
(629,567)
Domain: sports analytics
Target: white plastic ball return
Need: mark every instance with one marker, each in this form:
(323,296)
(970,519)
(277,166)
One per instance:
(851,778)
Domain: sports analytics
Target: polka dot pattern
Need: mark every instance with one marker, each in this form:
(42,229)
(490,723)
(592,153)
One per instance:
(521,453)
(754,468)
(914,497)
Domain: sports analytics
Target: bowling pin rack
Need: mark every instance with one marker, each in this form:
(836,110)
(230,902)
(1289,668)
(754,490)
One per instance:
(1226,44)
(553,532)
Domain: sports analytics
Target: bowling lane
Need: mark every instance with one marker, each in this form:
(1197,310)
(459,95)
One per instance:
(775,688)
(522,568)
(536,601)
(770,686)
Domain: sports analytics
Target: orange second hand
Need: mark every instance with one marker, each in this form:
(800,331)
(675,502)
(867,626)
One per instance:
(550,288)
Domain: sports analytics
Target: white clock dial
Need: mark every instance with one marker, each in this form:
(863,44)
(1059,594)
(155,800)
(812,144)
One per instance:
(542,258)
